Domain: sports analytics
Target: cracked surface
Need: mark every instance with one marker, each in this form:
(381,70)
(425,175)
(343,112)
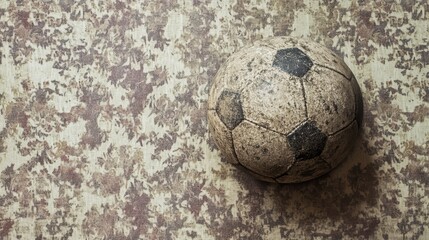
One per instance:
(304,171)
(291,105)
(330,99)
(262,151)
(229,109)
(338,146)
(307,141)
(275,101)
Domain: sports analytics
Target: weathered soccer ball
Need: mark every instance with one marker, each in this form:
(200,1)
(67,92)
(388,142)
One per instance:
(285,109)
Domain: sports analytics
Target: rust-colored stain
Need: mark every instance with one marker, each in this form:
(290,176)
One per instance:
(103,125)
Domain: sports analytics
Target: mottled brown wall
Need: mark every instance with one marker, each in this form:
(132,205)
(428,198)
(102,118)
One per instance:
(103,130)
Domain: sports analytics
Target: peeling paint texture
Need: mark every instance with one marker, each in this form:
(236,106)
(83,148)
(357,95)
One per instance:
(103,121)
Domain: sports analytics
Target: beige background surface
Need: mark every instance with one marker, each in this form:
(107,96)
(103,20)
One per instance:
(103,130)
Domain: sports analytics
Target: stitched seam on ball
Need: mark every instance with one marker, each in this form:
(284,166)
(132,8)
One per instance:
(233,148)
(244,88)
(304,96)
(250,170)
(261,126)
(334,70)
(330,166)
(358,99)
(286,173)
(350,123)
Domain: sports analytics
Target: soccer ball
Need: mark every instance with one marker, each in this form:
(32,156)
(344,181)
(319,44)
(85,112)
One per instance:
(285,109)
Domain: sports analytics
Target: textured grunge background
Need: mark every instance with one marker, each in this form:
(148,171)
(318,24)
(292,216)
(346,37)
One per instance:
(103,129)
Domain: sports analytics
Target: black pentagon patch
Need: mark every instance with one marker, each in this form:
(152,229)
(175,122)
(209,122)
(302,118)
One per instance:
(307,141)
(292,61)
(228,108)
